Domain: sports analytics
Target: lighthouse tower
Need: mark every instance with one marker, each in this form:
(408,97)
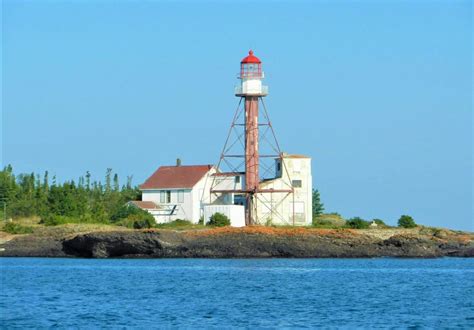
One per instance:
(251,89)
(251,76)
(260,181)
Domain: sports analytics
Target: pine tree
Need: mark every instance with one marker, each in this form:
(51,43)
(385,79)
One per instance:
(46,181)
(116,183)
(108,180)
(129,181)
(318,207)
(88,180)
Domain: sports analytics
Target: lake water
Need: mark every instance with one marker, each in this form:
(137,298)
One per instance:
(251,293)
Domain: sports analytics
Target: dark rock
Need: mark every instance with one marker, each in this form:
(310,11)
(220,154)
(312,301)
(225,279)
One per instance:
(171,244)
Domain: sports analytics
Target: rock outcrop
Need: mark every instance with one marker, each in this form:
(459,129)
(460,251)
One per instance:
(253,242)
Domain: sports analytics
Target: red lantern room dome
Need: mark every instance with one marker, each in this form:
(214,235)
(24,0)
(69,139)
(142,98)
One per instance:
(251,58)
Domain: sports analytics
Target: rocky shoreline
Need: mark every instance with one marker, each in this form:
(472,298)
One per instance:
(251,242)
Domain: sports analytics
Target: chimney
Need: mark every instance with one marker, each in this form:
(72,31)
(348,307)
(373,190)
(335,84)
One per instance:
(178,161)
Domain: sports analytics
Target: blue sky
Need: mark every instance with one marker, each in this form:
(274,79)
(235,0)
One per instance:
(379,94)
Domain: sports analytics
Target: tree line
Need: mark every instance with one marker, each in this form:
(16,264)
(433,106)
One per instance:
(27,195)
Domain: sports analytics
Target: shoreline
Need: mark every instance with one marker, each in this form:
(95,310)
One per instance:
(248,242)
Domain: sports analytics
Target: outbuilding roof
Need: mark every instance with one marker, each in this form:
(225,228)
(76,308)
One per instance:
(176,177)
(285,155)
(144,204)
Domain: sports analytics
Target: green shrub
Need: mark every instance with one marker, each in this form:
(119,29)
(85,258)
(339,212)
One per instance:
(137,221)
(124,211)
(16,228)
(406,221)
(357,223)
(219,220)
(133,217)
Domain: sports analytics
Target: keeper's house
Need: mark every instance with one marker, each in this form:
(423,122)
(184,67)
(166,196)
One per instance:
(176,192)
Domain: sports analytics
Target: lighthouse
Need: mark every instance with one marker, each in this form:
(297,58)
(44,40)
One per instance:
(251,89)
(253,183)
(253,176)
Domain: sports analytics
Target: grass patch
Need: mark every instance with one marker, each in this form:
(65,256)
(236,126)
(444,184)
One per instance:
(55,220)
(180,225)
(16,228)
(330,221)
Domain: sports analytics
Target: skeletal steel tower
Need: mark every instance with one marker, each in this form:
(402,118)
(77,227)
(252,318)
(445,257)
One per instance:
(251,91)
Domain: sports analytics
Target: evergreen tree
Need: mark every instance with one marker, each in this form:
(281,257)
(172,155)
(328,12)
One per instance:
(318,207)
(116,183)
(46,181)
(129,181)
(406,221)
(108,180)
(88,180)
(80,183)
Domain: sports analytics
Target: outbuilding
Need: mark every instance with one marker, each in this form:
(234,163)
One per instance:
(176,192)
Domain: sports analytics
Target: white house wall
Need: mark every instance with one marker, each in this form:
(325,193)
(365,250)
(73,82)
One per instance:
(277,208)
(201,193)
(183,211)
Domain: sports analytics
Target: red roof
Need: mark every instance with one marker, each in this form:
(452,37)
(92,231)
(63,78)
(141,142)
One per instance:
(176,177)
(144,204)
(251,58)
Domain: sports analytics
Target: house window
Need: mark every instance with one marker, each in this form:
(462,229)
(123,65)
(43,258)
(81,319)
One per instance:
(165,196)
(278,166)
(296,183)
(180,196)
(237,179)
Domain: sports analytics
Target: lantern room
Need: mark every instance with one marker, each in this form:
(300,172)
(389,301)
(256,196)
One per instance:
(251,67)
(251,76)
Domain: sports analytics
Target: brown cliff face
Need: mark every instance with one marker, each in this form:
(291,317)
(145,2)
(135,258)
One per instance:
(250,242)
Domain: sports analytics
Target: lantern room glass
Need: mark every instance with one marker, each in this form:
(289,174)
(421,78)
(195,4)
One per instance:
(251,70)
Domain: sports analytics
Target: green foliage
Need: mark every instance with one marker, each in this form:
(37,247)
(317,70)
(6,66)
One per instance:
(55,219)
(132,217)
(201,220)
(406,221)
(16,228)
(357,223)
(318,207)
(176,224)
(125,211)
(138,221)
(27,195)
(330,220)
(219,220)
